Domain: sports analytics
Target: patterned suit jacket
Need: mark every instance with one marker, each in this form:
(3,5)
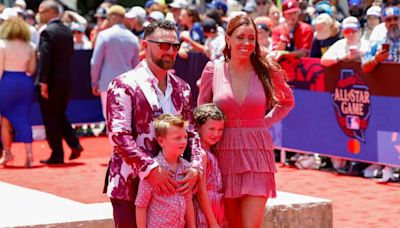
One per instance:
(132,106)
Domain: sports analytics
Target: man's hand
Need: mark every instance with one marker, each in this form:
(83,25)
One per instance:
(381,56)
(162,180)
(95,90)
(44,90)
(188,182)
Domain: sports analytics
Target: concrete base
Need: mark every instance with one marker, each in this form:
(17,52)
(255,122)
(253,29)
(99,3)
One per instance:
(22,207)
(292,210)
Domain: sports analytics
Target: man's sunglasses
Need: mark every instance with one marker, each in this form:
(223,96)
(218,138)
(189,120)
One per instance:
(165,46)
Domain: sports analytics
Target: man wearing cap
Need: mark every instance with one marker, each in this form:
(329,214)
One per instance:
(175,7)
(56,48)
(134,20)
(116,51)
(351,47)
(101,24)
(373,19)
(78,30)
(299,33)
(387,48)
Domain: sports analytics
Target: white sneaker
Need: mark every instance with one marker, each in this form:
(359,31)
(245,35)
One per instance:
(387,174)
(372,170)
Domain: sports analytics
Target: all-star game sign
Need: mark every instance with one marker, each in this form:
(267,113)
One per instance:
(352,107)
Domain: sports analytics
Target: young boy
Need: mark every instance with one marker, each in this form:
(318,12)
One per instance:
(152,209)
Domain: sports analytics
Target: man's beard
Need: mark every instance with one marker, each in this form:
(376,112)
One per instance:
(165,62)
(394,32)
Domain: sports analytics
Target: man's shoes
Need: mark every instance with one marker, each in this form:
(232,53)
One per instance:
(52,161)
(76,152)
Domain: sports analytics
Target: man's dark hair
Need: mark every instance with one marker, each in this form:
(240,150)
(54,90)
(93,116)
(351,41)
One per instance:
(164,24)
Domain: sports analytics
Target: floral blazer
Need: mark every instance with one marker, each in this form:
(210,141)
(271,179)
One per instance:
(132,106)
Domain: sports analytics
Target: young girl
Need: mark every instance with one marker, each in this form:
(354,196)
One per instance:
(209,197)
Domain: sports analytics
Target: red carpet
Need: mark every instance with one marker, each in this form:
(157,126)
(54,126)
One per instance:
(356,201)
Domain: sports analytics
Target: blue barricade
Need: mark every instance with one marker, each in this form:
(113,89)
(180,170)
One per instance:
(354,115)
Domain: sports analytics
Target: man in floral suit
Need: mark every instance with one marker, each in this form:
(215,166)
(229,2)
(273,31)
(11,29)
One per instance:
(134,100)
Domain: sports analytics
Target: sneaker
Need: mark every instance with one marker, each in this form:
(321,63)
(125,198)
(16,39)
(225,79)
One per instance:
(372,171)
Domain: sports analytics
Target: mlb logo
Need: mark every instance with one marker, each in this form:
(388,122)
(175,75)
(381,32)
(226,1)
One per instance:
(353,122)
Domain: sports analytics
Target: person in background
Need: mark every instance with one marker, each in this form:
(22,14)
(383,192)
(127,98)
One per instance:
(54,80)
(244,87)
(299,34)
(116,51)
(275,15)
(263,7)
(351,47)
(264,25)
(326,33)
(101,24)
(373,19)
(78,31)
(18,63)
(215,41)
(190,20)
(387,48)
(175,8)
(134,20)
(154,210)
(209,202)
(29,17)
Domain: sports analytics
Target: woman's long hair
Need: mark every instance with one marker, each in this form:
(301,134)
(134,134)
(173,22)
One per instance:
(261,66)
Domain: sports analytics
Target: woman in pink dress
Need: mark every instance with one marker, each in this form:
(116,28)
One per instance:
(246,87)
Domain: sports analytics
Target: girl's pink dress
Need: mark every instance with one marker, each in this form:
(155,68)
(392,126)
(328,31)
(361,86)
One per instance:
(245,153)
(215,194)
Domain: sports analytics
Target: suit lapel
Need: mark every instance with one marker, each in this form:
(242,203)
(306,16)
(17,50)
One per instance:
(146,85)
(177,94)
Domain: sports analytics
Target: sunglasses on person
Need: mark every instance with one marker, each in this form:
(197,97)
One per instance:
(349,31)
(390,19)
(165,46)
(261,3)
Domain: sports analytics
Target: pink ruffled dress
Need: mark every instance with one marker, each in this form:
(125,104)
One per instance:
(245,152)
(215,194)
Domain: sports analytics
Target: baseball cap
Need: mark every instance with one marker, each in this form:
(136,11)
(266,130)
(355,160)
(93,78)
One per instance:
(350,23)
(116,9)
(374,11)
(218,4)
(8,13)
(209,25)
(323,7)
(157,16)
(20,3)
(77,27)
(250,7)
(179,4)
(101,12)
(290,6)
(263,20)
(136,12)
(391,12)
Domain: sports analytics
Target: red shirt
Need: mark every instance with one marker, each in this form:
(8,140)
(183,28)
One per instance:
(302,36)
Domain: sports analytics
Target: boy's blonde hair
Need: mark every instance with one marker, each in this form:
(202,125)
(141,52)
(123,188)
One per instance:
(165,121)
(205,112)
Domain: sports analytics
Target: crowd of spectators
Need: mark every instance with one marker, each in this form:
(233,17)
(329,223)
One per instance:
(361,30)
